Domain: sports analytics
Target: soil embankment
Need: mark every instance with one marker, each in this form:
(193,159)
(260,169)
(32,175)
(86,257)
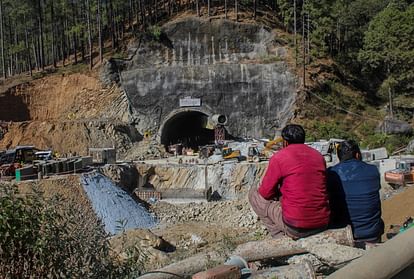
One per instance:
(396,209)
(66,113)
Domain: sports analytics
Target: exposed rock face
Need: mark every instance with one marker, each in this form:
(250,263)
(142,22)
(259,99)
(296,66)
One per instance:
(410,147)
(229,180)
(394,126)
(124,175)
(66,113)
(74,136)
(231,68)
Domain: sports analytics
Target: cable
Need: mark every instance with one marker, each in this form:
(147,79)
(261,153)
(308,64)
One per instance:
(342,109)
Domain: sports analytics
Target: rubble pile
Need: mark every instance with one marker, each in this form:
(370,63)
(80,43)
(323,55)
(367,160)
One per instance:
(117,210)
(232,213)
(145,150)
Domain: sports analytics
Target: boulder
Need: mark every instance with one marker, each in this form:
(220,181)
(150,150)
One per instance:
(394,126)
(410,146)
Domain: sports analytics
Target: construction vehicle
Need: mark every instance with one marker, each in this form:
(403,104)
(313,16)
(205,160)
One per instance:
(15,158)
(21,154)
(328,148)
(403,174)
(254,155)
(228,153)
(270,147)
(206,151)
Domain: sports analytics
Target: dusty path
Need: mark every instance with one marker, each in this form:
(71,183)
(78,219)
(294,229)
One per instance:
(396,209)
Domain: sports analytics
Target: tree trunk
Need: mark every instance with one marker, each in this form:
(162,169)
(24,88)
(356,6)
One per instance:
(295,33)
(260,250)
(308,40)
(82,34)
(138,10)
(274,248)
(3,62)
(225,9)
(42,47)
(75,48)
(75,36)
(52,15)
(208,8)
(254,8)
(130,11)
(187,266)
(63,38)
(156,10)
(304,45)
(88,15)
(28,56)
(10,57)
(236,10)
(112,24)
(98,11)
(35,55)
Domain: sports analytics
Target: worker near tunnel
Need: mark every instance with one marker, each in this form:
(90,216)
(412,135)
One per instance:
(353,186)
(292,198)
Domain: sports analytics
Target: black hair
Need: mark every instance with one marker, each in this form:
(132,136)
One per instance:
(293,133)
(348,150)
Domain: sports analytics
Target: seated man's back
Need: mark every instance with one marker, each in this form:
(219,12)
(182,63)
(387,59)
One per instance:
(292,198)
(354,189)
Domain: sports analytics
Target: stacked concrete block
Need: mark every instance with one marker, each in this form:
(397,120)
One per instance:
(26,173)
(103,155)
(374,154)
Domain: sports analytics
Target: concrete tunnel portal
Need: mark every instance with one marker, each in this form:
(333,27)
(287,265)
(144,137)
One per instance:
(188,128)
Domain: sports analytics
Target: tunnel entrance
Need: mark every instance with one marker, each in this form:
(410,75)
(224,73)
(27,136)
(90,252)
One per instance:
(187,128)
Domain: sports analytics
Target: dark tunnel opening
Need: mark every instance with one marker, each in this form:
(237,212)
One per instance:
(187,128)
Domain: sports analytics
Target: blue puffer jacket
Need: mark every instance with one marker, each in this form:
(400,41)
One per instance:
(354,187)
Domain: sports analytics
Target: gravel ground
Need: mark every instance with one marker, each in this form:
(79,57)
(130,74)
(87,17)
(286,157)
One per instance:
(226,213)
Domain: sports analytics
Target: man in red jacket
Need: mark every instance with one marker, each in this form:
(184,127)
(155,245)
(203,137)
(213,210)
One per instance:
(292,198)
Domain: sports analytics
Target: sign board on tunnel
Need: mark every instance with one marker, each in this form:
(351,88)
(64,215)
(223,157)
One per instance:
(190,102)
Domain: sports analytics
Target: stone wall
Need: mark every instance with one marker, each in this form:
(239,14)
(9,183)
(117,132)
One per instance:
(232,68)
(229,180)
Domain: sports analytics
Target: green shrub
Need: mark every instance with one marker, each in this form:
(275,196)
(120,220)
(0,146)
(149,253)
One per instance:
(326,130)
(52,238)
(155,31)
(390,142)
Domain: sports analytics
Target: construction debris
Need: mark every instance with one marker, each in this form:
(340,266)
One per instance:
(276,248)
(267,249)
(116,208)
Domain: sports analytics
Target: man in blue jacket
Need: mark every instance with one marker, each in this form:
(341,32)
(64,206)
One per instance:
(354,187)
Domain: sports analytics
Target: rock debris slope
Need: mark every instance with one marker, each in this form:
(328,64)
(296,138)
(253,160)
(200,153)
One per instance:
(116,208)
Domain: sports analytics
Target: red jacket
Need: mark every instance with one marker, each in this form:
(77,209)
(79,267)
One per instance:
(300,172)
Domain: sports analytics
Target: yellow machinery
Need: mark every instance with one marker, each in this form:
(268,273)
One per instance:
(254,155)
(229,153)
(272,145)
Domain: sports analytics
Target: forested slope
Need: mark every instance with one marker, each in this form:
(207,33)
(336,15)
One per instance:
(351,56)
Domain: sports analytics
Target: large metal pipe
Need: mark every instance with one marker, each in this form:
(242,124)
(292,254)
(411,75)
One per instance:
(219,119)
(382,262)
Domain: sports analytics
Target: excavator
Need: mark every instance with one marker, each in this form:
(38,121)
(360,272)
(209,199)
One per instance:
(254,155)
(229,153)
